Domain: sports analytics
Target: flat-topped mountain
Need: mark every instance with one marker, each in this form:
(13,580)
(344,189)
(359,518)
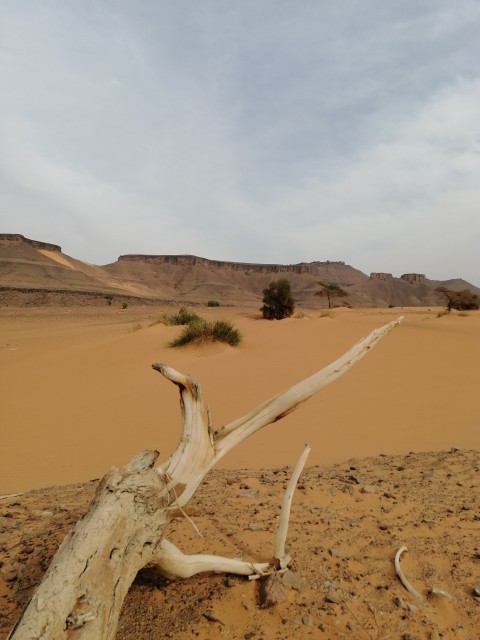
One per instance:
(34,272)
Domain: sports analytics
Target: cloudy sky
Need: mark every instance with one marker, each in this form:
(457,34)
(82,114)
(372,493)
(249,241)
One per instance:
(251,130)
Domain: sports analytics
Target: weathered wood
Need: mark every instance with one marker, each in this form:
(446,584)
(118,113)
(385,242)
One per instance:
(83,590)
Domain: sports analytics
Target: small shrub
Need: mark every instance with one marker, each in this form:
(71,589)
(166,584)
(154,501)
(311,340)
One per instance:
(183,316)
(213,303)
(124,305)
(203,331)
(224,331)
(327,314)
(108,297)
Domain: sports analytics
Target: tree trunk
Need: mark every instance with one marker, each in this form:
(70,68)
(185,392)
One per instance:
(82,592)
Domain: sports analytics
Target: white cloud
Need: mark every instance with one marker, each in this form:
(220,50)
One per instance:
(245,131)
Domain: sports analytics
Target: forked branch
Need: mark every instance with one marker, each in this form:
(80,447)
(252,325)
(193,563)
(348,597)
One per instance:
(201,447)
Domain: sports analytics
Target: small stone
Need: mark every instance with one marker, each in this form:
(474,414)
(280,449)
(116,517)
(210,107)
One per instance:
(399,602)
(332,599)
(254,526)
(476,589)
(10,571)
(412,607)
(383,526)
(438,591)
(368,488)
(466,506)
(307,620)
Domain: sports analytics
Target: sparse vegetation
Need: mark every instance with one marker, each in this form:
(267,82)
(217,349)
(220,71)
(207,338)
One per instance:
(326,314)
(109,298)
(213,303)
(183,316)
(203,331)
(124,305)
(464,300)
(331,290)
(278,302)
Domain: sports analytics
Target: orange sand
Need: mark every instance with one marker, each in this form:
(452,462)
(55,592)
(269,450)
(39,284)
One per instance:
(78,393)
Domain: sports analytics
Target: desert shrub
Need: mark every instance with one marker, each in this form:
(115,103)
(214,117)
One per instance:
(183,316)
(224,331)
(124,305)
(278,302)
(203,331)
(327,314)
(213,303)
(464,300)
(331,290)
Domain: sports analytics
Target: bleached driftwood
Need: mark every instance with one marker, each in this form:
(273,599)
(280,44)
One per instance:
(82,592)
(403,578)
(281,535)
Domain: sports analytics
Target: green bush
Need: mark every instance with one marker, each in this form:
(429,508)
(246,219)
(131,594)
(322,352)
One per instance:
(213,303)
(184,316)
(203,331)
(278,302)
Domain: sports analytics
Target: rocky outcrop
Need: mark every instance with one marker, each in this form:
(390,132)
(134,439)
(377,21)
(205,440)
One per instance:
(190,261)
(413,278)
(35,244)
(381,276)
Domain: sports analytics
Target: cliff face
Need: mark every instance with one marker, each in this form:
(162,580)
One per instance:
(190,261)
(35,244)
(39,271)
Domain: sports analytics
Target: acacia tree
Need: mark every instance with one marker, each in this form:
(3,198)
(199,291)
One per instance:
(464,300)
(331,290)
(278,302)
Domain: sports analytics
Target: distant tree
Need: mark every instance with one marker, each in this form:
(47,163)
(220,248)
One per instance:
(278,302)
(464,300)
(331,290)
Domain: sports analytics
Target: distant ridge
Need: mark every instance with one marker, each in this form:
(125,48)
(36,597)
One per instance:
(38,273)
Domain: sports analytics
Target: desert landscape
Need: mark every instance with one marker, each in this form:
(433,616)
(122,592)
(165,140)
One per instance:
(394,458)
(395,462)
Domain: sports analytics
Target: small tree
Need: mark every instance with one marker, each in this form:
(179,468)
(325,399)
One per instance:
(331,290)
(464,300)
(278,302)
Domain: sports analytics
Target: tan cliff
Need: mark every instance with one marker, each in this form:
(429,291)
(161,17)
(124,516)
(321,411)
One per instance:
(38,273)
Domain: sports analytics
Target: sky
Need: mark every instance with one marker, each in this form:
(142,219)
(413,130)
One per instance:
(273,131)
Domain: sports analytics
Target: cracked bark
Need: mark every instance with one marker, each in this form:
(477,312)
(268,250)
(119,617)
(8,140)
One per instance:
(83,590)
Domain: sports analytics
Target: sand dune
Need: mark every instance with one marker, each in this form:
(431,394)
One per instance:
(78,392)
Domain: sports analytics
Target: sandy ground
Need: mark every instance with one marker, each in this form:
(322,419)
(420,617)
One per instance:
(395,461)
(79,395)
